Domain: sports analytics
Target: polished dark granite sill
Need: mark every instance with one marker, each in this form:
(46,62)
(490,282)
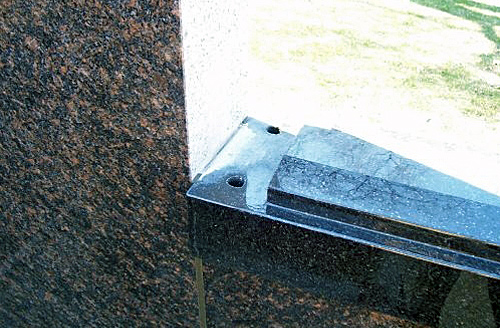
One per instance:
(336,230)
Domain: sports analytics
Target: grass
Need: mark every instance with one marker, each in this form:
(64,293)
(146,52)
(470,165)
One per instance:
(470,10)
(481,98)
(389,53)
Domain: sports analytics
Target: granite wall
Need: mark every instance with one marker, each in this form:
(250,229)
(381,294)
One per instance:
(93,165)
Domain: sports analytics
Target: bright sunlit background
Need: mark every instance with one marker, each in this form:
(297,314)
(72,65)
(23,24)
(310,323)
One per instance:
(420,77)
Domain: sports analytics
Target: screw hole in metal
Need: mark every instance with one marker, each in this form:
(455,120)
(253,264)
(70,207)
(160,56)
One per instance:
(236,181)
(273,130)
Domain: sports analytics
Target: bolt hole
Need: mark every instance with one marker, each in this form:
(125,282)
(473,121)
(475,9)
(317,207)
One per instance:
(236,181)
(273,130)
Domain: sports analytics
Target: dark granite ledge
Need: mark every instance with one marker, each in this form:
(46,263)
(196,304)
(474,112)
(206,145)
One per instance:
(369,241)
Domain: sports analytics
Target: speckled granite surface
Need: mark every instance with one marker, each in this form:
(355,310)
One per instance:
(93,165)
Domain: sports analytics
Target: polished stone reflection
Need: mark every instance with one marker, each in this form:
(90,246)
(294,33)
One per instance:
(331,215)
(343,151)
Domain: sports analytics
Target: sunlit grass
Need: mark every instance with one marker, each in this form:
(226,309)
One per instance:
(384,54)
(481,98)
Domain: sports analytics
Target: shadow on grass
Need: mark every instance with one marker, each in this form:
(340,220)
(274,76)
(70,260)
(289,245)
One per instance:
(464,9)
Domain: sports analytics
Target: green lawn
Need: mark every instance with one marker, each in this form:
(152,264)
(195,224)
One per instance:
(430,51)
